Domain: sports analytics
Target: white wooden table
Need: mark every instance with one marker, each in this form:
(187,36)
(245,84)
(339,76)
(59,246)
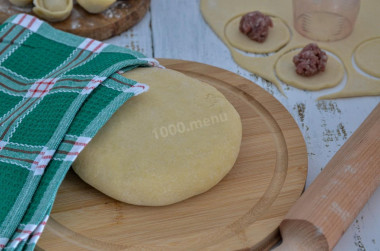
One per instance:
(176,29)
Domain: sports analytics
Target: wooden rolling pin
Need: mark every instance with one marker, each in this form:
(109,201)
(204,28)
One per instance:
(331,203)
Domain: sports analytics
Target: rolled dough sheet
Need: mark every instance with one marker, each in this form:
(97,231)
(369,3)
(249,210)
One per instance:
(331,77)
(278,37)
(218,14)
(177,140)
(367,57)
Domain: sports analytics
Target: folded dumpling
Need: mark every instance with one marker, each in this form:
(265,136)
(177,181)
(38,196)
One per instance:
(53,10)
(95,6)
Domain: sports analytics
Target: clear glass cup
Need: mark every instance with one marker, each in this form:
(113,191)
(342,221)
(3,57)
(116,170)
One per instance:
(325,20)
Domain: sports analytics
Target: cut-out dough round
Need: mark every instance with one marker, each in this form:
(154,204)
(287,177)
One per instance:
(367,57)
(134,160)
(331,77)
(95,6)
(278,37)
(53,10)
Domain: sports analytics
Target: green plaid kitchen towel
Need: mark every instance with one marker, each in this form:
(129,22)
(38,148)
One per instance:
(56,91)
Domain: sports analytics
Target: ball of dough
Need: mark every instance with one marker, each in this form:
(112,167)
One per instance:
(95,6)
(175,141)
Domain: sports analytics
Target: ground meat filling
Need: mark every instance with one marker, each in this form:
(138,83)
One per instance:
(310,60)
(255,25)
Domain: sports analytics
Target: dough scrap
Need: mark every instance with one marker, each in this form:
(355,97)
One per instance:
(332,76)
(367,57)
(131,160)
(95,6)
(53,10)
(278,37)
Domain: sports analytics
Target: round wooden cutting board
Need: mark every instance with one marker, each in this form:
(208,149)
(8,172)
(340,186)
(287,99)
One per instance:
(243,211)
(121,16)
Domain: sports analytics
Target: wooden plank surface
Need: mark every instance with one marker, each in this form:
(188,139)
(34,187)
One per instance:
(244,210)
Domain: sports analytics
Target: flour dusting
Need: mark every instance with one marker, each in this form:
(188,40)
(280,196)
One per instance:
(339,211)
(350,169)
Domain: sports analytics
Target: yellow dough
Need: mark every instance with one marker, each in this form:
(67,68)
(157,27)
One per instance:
(53,10)
(95,6)
(286,72)
(175,141)
(278,37)
(365,37)
(367,57)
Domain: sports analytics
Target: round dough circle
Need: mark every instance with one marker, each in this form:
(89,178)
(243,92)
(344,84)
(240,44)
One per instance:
(367,57)
(286,72)
(175,141)
(278,37)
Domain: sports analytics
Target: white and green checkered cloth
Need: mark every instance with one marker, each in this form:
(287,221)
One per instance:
(56,91)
